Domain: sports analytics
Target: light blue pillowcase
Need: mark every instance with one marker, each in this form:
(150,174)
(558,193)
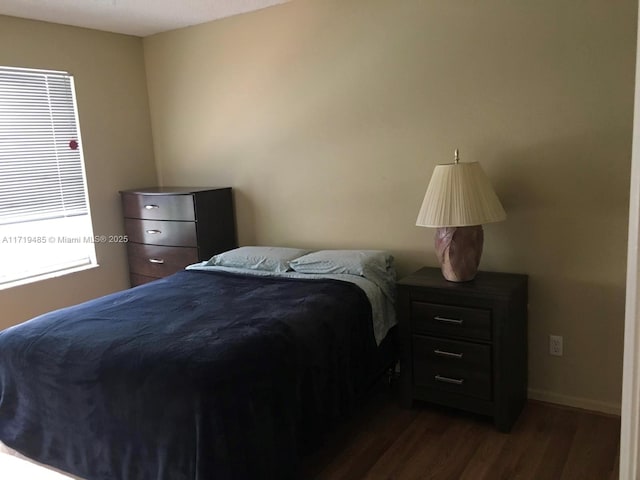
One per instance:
(374,265)
(272,259)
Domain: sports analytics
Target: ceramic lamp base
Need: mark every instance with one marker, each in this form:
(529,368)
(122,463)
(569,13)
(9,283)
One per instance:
(459,250)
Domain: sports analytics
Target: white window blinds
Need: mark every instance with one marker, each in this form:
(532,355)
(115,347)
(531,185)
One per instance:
(45,224)
(41,168)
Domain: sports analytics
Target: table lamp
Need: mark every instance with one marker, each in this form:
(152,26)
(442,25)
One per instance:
(459,200)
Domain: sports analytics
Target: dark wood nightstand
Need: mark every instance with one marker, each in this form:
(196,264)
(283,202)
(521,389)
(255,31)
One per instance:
(171,227)
(464,345)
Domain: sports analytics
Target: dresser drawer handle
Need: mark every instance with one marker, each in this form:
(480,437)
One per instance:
(444,353)
(455,381)
(156,260)
(153,232)
(456,321)
(151,207)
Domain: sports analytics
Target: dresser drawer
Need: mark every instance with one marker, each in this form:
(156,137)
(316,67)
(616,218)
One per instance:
(451,320)
(159,261)
(460,367)
(140,279)
(158,207)
(158,232)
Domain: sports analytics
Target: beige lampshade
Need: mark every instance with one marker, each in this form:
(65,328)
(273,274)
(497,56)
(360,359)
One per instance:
(459,195)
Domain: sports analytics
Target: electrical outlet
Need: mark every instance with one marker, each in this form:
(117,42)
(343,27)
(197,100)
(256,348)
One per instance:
(555,345)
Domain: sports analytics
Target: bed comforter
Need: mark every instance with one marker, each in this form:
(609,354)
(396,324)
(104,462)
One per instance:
(201,375)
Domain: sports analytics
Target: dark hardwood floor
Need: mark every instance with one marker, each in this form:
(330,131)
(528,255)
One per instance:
(384,442)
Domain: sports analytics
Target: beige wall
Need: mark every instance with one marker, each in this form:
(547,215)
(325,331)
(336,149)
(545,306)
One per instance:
(327,117)
(114,120)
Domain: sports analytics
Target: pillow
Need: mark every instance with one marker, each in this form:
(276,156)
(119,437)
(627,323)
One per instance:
(353,262)
(272,259)
(374,265)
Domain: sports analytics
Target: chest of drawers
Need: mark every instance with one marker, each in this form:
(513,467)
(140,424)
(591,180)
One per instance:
(171,227)
(464,345)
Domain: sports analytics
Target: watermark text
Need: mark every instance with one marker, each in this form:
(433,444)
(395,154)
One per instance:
(39,239)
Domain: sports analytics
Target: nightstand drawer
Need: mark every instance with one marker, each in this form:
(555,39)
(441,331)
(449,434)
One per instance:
(452,353)
(450,320)
(158,232)
(159,261)
(159,207)
(460,367)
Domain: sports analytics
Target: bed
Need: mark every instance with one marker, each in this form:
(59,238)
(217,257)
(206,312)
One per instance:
(221,371)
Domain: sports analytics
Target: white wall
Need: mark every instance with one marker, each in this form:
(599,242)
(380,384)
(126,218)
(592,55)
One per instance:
(327,117)
(113,109)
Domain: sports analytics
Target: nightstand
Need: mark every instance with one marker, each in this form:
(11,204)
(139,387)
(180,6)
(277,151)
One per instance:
(464,345)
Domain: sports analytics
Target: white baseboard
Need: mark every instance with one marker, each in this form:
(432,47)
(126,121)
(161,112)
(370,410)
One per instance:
(575,402)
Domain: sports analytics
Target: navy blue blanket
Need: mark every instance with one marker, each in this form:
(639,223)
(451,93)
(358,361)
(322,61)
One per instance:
(201,375)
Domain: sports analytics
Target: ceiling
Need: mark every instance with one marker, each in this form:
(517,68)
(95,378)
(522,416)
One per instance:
(133,17)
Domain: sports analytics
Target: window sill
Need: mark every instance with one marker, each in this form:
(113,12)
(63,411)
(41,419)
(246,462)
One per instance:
(47,276)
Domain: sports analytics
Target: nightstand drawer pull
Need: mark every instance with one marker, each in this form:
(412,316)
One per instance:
(151,207)
(444,353)
(455,381)
(153,232)
(156,260)
(457,321)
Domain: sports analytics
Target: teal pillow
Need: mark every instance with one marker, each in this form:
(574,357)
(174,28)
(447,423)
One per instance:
(272,259)
(374,265)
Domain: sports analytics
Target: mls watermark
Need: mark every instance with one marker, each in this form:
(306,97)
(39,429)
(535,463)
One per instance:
(63,239)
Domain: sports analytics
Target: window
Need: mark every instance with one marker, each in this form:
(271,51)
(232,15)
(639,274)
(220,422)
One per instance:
(45,222)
